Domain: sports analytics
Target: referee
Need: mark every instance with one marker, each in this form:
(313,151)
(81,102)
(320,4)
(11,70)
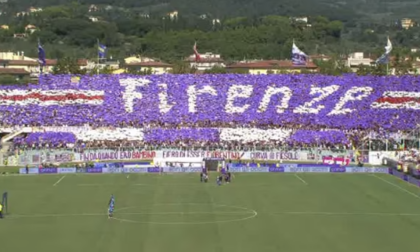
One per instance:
(1,211)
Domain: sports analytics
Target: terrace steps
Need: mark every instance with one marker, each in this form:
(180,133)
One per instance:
(10,136)
(3,152)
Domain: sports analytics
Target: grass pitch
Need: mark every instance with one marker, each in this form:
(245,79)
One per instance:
(177,213)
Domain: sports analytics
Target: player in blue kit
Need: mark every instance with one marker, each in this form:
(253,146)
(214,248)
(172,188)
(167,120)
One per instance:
(111,206)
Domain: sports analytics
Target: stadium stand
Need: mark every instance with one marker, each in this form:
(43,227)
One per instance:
(227,111)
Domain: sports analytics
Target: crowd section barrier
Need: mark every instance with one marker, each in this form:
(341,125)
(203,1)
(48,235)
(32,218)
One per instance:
(284,168)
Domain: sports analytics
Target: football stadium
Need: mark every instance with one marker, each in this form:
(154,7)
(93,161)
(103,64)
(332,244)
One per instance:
(228,162)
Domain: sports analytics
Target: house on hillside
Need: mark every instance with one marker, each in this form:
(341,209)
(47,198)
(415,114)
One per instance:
(138,58)
(357,59)
(301,20)
(13,56)
(93,19)
(207,61)
(20,35)
(16,64)
(154,67)
(22,14)
(30,28)
(34,9)
(111,64)
(19,73)
(10,60)
(407,23)
(320,57)
(93,8)
(173,15)
(140,63)
(215,22)
(4,27)
(144,15)
(271,67)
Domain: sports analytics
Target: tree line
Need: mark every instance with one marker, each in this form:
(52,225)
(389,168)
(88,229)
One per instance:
(66,31)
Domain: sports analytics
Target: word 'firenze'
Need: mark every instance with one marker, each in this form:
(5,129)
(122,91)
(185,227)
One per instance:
(242,92)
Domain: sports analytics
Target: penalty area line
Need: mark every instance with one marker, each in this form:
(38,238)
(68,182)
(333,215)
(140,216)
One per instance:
(58,181)
(396,186)
(301,179)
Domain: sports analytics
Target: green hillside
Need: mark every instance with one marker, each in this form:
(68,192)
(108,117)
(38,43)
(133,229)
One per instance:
(341,10)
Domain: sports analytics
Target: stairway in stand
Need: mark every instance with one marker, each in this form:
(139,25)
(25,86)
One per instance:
(3,152)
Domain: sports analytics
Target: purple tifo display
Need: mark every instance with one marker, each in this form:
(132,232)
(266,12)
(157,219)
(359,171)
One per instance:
(312,101)
(53,138)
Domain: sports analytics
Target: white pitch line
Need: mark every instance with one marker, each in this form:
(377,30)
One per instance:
(56,183)
(121,213)
(301,179)
(396,186)
(53,215)
(184,213)
(346,213)
(17,216)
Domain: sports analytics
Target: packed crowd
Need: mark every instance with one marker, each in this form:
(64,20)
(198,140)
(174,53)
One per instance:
(190,138)
(209,111)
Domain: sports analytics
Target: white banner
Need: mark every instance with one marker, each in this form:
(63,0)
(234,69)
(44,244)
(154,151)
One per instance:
(100,155)
(202,154)
(66,156)
(375,157)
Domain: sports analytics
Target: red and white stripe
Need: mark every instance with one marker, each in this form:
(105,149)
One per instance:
(51,97)
(398,100)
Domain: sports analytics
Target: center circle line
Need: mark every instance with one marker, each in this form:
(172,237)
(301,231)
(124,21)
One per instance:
(251,212)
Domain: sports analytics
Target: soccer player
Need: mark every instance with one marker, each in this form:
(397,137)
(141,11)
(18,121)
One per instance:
(1,211)
(111,206)
(228,177)
(203,175)
(205,178)
(219,180)
(111,210)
